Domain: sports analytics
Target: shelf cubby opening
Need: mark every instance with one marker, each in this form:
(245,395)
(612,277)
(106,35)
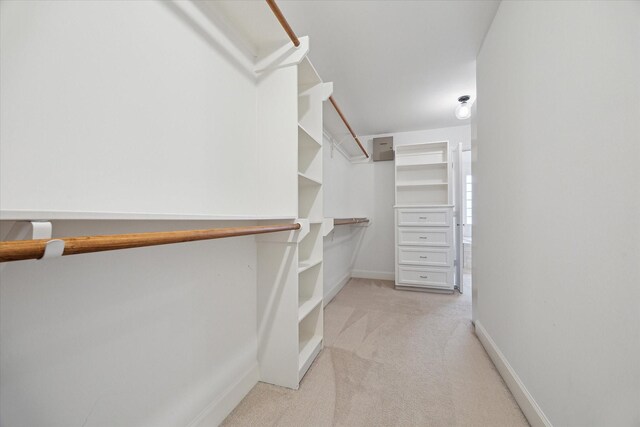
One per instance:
(307,75)
(309,156)
(309,338)
(310,202)
(310,248)
(305,180)
(431,195)
(305,139)
(431,153)
(308,111)
(310,285)
(310,100)
(426,175)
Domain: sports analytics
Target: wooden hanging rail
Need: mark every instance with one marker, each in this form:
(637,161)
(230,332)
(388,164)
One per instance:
(283,21)
(287,28)
(346,123)
(347,221)
(18,250)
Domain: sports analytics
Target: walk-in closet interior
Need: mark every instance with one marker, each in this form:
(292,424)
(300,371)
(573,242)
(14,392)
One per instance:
(261,213)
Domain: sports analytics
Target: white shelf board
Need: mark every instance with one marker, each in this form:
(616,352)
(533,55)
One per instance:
(304,137)
(24,215)
(308,351)
(421,184)
(422,205)
(306,307)
(421,165)
(307,264)
(305,180)
(404,147)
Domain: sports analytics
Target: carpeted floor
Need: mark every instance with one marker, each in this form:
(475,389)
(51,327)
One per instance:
(391,358)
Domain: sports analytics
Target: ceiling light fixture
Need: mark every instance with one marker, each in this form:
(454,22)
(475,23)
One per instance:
(463,111)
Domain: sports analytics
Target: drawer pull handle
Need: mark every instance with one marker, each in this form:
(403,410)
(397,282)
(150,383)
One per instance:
(423,257)
(423,237)
(424,277)
(423,217)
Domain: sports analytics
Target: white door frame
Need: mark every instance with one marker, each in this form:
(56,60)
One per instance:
(460,217)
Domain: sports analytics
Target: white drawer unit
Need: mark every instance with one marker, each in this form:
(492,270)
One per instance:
(424,217)
(435,257)
(424,228)
(425,276)
(425,236)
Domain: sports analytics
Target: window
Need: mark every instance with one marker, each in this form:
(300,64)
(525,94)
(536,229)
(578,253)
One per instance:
(469,199)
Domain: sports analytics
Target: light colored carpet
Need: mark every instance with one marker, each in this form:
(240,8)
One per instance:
(391,358)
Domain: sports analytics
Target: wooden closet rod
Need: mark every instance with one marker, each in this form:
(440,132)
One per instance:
(346,221)
(346,123)
(283,21)
(287,28)
(18,250)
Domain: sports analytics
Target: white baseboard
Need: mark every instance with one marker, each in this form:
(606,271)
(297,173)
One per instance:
(527,403)
(378,275)
(218,410)
(336,288)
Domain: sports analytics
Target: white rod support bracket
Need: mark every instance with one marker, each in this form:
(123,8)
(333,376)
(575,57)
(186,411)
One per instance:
(36,230)
(327,226)
(53,249)
(22,230)
(304,228)
(41,230)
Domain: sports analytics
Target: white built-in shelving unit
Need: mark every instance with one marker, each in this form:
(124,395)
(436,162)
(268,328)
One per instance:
(290,298)
(253,155)
(311,94)
(425,251)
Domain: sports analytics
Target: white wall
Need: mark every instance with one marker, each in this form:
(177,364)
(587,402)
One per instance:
(138,107)
(373,195)
(127,106)
(557,218)
(140,337)
(342,244)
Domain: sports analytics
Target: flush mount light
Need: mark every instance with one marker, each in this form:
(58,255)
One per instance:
(463,111)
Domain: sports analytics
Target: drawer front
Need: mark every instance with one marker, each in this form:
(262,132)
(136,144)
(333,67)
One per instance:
(425,256)
(425,236)
(432,217)
(417,276)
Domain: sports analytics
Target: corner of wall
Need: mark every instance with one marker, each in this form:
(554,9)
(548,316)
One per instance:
(337,287)
(525,400)
(219,409)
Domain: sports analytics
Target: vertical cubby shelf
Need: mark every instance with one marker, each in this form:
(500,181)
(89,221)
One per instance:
(310,313)
(290,306)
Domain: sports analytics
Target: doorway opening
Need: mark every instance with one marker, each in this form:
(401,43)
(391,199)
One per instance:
(464,202)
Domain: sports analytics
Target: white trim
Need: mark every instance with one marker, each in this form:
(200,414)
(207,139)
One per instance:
(377,275)
(219,409)
(331,294)
(527,403)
